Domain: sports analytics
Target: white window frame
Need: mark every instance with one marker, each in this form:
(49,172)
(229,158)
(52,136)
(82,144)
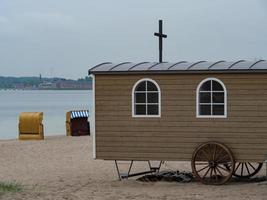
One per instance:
(197,100)
(133,98)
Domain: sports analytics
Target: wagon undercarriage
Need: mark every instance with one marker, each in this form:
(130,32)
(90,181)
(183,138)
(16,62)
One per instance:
(212,163)
(124,175)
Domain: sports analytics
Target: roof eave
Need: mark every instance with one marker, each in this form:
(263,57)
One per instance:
(230,71)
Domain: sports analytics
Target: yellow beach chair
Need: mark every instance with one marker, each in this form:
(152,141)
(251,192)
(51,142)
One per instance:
(30,126)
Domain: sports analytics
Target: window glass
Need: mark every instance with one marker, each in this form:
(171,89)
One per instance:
(152,109)
(206,86)
(141,86)
(140,98)
(140,109)
(216,86)
(218,110)
(152,97)
(146,99)
(205,110)
(151,86)
(204,97)
(217,97)
(211,99)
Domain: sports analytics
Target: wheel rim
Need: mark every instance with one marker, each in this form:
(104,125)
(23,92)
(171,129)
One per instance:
(246,169)
(209,163)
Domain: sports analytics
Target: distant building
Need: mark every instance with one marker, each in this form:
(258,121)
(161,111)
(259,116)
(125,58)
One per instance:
(63,84)
(46,85)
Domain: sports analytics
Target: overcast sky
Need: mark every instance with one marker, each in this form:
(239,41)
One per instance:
(66,37)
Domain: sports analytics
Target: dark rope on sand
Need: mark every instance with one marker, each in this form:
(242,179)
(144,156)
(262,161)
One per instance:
(168,176)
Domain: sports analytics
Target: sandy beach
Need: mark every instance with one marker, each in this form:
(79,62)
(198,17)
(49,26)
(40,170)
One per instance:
(62,168)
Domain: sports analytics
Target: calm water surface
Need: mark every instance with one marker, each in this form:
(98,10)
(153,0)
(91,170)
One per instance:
(53,103)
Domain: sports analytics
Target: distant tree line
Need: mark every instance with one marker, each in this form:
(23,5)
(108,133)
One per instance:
(8,82)
(85,79)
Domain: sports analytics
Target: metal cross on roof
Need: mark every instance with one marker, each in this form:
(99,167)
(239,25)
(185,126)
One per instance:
(160,35)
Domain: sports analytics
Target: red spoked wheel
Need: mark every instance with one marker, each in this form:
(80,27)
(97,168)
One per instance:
(209,163)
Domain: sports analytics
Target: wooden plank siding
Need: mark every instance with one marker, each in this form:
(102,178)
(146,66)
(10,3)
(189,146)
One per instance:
(176,134)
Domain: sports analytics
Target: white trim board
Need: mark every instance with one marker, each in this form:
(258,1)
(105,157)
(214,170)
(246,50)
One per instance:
(92,125)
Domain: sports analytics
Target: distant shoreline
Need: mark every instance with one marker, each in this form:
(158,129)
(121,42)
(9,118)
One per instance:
(44,83)
(42,89)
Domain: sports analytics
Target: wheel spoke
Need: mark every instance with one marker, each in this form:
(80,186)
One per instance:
(210,149)
(206,173)
(222,158)
(219,150)
(203,168)
(223,168)
(225,163)
(252,166)
(215,174)
(209,152)
(219,171)
(237,167)
(211,173)
(242,167)
(214,153)
(202,163)
(247,168)
(205,153)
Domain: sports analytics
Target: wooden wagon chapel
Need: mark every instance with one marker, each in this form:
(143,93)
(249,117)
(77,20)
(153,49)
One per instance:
(213,114)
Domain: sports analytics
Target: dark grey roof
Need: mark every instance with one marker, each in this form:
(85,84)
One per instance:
(240,66)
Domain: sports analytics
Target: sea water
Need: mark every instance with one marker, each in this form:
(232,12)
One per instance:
(53,103)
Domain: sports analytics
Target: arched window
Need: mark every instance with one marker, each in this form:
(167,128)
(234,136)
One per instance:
(211,99)
(146,99)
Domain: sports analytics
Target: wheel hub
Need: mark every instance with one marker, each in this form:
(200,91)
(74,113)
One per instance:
(212,164)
